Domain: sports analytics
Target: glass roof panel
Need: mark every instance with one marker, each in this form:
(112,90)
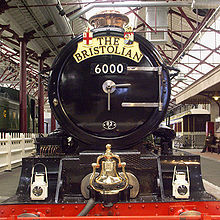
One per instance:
(197,47)
(182,85)
(191,65)
(208,39)
(216,24)
(177,89)
(189,59)
(204,68)
(203,54)
(195,53)
(183,68)
(195,75)
(214,59)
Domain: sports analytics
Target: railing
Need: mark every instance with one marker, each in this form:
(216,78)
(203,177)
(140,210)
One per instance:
(13,147)
(189,140)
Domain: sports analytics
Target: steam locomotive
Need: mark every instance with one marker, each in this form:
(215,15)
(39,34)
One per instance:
(109,90)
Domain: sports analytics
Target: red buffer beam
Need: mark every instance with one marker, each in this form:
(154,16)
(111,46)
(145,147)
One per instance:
(148,211)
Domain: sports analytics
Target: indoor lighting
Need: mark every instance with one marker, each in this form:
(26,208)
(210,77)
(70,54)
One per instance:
(216,96)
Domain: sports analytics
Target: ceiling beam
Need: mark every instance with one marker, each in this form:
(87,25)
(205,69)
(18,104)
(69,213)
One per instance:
(171,11)
(142,20)
(167,58)
(186,18)
(194,35)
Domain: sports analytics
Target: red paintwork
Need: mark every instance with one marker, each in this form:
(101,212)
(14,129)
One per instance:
(53,122)
(209,210)
(209,128)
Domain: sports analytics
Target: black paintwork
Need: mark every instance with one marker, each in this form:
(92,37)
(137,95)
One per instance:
(82,107)
(149,169)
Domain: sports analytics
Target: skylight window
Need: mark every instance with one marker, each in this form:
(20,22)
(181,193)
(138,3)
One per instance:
(201,59)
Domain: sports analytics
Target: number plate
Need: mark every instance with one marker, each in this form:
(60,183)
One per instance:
(108,68)
(109,125)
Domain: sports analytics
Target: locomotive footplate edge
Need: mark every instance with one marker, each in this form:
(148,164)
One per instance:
(154,174)
(169,210)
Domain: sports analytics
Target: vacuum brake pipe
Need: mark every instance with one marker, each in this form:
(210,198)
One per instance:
(90,204)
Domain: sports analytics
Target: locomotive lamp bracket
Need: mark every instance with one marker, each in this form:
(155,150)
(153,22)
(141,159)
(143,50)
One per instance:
(109,183)
(55,102)
(39,183)
(181,183)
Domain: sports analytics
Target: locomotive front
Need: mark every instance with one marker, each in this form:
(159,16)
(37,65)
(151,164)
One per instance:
(109,86)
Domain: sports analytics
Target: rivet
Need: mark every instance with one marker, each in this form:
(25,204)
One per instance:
(143,206)
(116,207)
(55,102)
(76,207)
(110,213)
(2,211)
(129,206)
(36,210)
(206,206)
(156,206)
(47,211)
(12,210)
(62,207)
(217,207)
(171,209)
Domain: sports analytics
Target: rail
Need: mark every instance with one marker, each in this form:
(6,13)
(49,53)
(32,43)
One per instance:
(190,140)
(13,147)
